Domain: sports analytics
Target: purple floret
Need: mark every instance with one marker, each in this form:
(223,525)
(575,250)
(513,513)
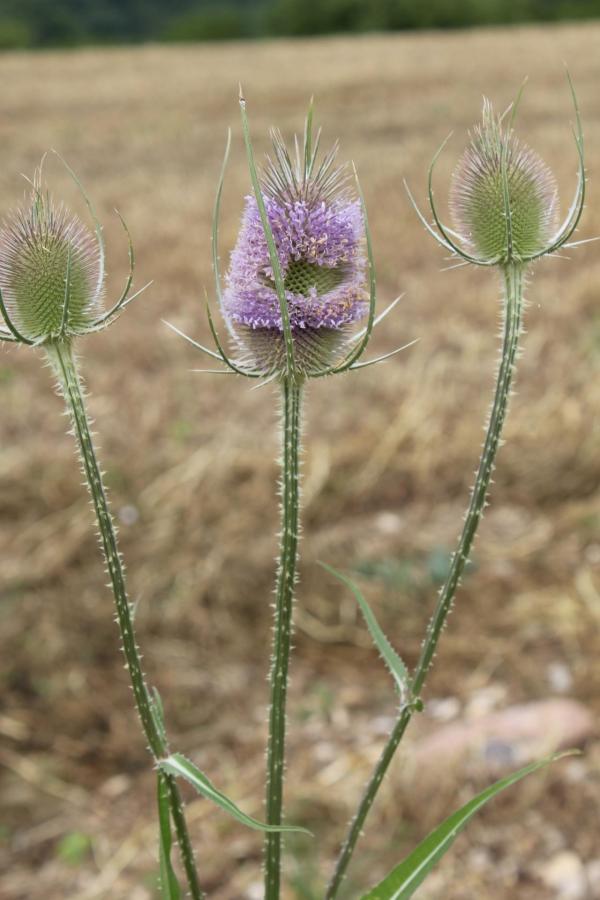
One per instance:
(323,238)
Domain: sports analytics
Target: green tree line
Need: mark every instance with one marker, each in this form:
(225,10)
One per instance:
(56,23)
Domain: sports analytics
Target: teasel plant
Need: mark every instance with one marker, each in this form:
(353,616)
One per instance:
(299,303)
(504,205)
(293,296)
(52,287)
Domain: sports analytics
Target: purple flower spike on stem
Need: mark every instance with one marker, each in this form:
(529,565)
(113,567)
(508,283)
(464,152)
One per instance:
(318,230)
(302,273)
(301,278)
(319,245)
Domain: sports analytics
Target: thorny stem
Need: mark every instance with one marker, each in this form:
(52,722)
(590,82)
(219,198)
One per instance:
(63,362)
(513,310)
(282,632)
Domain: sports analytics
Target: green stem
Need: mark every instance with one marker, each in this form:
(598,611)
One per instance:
(282,632)
(513,309)
(63,362)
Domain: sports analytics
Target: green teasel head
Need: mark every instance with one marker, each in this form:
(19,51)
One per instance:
(49,268)
(52,269)
(503,197)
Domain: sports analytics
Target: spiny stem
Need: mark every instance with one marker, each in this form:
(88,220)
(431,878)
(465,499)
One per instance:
(513,310)
(186,851)
(63,362)
(282,632)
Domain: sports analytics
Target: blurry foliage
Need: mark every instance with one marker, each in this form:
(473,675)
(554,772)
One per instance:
(410,574)
(73,848)
(37,23)
(212,23)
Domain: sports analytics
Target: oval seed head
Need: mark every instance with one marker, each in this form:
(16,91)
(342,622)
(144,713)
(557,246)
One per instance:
(318,230)
(497,170)
(49,262)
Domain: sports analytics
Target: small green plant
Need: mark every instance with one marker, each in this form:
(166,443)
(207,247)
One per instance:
(299,303)
(74,847)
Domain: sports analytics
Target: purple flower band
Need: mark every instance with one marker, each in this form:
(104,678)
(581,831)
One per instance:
(320,250)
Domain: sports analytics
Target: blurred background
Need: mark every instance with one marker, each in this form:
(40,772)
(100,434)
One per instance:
(39,23)
(388,460)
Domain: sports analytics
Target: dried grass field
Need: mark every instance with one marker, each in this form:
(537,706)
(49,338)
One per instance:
(388,459)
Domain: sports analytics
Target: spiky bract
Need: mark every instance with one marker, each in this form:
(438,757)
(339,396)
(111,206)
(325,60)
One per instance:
(49,269)
(318,229)
(503,197)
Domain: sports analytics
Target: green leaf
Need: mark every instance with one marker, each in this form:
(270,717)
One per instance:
(169,886)
(404,880)
(390,657)
(177,764)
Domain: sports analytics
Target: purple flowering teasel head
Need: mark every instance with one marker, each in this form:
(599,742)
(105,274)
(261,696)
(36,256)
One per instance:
(319,240)
(301,274)
(318,230)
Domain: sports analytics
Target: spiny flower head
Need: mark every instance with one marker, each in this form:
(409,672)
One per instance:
(50,269)
(503,197)
(318,231)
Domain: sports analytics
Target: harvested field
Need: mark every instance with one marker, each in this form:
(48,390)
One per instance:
(388,460)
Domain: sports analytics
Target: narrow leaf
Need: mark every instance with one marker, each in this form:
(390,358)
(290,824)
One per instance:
(177,764)
(169,886)
(389,655)
(404,880)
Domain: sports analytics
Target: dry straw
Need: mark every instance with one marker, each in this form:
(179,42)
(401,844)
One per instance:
(299,302)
